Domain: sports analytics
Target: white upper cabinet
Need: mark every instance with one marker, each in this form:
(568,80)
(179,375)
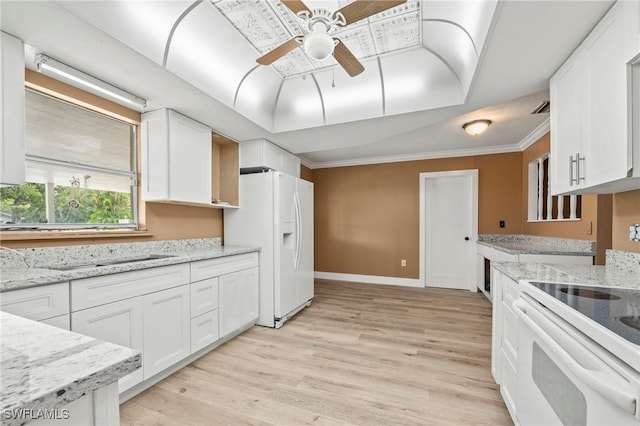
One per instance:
(262,154)
(591,113)
(12,169)
(176,158)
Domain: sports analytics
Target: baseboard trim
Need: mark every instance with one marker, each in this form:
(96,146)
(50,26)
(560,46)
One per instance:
(369,279)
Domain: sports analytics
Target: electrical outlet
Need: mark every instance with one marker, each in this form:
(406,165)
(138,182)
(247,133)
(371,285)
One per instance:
(403,262)
(502,224)
(634,232)
(590,228)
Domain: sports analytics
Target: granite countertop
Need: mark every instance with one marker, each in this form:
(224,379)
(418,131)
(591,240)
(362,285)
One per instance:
(44,367)
(607,276)
(529,244)
(19,276)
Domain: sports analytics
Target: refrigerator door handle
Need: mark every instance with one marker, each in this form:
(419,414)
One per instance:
(298,229)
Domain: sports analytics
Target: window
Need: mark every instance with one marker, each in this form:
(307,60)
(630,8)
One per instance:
(542,205)
(80,170)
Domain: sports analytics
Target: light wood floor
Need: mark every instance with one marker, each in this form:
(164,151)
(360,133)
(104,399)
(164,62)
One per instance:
(361,354)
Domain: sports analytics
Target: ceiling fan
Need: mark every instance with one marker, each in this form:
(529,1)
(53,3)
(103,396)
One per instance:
(318,44)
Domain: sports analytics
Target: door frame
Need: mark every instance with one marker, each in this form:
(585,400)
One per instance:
(473,174)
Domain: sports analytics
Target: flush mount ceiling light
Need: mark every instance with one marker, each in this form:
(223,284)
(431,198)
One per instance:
(76,77)
(476,127)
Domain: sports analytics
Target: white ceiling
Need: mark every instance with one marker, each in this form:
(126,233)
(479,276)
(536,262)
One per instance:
(525,43)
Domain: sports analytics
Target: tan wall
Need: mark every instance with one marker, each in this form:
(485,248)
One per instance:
(306,173)
(626,211)
(161,221)
(367,217)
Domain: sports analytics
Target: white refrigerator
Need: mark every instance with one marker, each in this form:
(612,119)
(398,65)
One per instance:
(276,214)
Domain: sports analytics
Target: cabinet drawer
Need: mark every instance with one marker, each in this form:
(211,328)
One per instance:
(204,330)
(510,334)
(37,303)
(204,296)
(95,291)
(204,269)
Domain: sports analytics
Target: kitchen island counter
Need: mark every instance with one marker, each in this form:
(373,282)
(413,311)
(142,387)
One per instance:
(45,368)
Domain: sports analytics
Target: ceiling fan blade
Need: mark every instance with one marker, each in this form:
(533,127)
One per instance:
(275,54)
(361,9)
(345,58)
(296,6)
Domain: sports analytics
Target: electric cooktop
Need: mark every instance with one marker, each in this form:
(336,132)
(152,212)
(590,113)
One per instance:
(617,309)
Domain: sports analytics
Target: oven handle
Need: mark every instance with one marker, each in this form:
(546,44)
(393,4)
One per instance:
(625,400)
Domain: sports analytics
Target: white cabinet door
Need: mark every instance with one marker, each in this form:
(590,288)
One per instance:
(261,153)
(119,323)
(567,119)
(155,155)
(496,324)
(63,321)
(12,168)
(189,160)
(176,158)
(238,300)
(607,53)
(590,114)
(166,329)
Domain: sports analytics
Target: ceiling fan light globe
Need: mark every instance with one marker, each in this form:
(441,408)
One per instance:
(319,45)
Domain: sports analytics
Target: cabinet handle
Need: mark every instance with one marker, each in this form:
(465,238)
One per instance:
(571,179)
(578,177)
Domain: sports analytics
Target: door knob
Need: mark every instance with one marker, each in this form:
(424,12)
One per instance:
(466,238)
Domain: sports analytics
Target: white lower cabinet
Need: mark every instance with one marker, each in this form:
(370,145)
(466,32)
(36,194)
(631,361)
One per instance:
(62,321)
(166,329)
(504,347)
(118,322)
(157,311)
(238,300)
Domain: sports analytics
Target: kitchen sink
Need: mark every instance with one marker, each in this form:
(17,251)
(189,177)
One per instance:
(109,262)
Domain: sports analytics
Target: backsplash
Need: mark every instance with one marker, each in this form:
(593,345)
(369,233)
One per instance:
(624,260)
(560,244)
(70,255)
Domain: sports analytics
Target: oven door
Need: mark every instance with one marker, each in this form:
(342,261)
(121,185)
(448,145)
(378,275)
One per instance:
(565,378)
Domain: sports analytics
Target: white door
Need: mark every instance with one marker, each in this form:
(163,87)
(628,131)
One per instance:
(167,328)
(450,230)
(119,323)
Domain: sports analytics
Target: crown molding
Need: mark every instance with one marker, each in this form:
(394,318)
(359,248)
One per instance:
(415,157)
(535,134)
